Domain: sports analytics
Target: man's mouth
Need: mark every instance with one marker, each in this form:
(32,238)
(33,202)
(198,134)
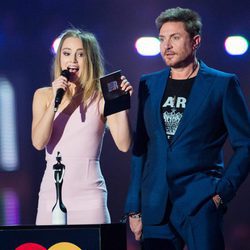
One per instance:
(169,54)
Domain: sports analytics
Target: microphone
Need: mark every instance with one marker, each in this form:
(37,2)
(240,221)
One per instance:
(60,92)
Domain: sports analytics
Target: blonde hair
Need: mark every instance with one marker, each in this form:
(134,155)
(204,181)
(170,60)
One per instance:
(93,70)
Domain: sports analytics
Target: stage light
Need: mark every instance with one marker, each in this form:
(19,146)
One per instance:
(55,45)
(236,45)
(148,46)
(11,207)
(8,132)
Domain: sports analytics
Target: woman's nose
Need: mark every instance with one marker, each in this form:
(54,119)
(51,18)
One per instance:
(75,58)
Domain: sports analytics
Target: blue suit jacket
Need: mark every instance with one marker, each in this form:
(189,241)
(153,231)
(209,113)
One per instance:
(190,170)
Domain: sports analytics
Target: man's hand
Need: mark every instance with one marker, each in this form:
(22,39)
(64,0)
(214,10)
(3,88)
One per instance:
(136,227)
(217,200)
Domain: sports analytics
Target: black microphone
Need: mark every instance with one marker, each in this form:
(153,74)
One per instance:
(60,92)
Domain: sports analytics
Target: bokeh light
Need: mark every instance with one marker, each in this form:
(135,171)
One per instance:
(8,131)
(148,46)
(236,45)
(55,45)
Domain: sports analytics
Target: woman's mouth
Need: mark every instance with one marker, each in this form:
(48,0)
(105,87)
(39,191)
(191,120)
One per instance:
(73,70)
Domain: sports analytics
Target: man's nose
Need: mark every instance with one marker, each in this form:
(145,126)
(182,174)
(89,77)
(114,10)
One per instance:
(167,44)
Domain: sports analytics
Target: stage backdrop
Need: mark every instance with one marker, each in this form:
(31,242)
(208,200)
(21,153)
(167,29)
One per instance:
(27,32)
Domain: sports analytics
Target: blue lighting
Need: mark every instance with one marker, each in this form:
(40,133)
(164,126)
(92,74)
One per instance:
(8,133)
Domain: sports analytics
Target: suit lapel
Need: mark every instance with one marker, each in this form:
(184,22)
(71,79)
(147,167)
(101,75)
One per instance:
(197,96)
(157,91)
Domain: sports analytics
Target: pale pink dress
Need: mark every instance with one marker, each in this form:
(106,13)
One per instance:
(78,137)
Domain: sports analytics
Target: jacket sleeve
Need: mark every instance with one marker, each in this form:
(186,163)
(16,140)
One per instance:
(133,202)
(237,121)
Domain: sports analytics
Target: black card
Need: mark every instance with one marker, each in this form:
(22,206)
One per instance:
(111,85)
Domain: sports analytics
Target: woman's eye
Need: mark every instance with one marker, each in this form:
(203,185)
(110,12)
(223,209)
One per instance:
(80,54)
(66,53)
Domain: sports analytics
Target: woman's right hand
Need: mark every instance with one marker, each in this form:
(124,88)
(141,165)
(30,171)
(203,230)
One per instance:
(60,83)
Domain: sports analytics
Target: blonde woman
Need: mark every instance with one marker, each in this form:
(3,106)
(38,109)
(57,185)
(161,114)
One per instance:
(76,130)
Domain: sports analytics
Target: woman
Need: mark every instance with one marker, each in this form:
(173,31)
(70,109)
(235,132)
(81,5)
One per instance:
(76,130)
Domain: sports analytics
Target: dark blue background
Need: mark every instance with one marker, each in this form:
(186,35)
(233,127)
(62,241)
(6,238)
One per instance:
(27,30)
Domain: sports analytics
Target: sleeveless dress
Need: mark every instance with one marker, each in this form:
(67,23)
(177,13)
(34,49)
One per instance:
(78,137)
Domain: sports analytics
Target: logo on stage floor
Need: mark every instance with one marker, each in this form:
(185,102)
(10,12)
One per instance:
(57,246)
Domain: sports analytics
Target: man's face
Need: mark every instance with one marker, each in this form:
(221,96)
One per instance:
(176,45)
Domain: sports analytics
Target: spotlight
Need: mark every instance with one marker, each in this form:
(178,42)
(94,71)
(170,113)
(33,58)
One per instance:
(55,45)
(148,46)
(236,45)
(8,133)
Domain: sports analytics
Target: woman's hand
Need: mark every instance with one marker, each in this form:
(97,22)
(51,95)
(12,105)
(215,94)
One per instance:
(60,83)
(126,86)
(118,122)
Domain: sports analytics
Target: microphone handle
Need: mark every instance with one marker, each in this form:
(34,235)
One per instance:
(60,92)
(58,99)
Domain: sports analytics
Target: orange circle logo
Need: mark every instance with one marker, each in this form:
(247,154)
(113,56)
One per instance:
(64,246)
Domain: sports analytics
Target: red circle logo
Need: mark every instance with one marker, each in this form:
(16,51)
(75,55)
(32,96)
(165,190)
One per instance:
(30,246)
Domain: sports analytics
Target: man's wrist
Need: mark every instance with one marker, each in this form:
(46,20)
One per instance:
(134,215)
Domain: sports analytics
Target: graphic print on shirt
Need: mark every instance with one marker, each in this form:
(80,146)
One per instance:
(174,103)
(172,118)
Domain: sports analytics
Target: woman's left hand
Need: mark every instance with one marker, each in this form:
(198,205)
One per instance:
(126,86)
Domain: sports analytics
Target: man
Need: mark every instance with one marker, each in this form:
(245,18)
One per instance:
(179,187)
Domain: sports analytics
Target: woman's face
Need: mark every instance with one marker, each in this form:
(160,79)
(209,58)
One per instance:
(72,57)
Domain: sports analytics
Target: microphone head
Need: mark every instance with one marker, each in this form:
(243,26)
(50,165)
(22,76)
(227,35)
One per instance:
(66,73)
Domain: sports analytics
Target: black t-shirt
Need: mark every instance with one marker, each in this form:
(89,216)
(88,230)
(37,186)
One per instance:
(174,103)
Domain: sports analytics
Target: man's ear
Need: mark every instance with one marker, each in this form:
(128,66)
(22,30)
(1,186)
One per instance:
(196,42)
